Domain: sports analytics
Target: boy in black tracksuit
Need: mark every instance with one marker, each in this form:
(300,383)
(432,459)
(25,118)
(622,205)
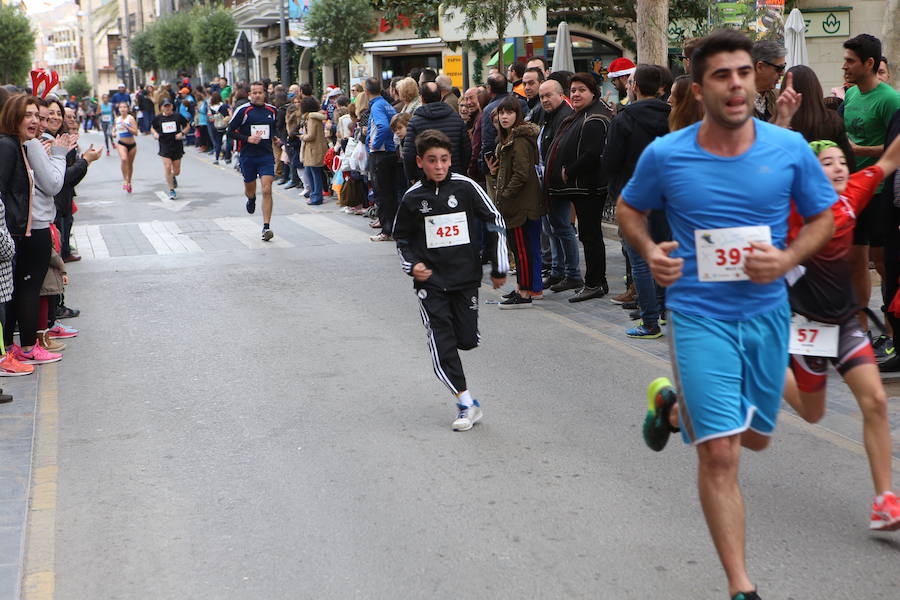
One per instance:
(432,229)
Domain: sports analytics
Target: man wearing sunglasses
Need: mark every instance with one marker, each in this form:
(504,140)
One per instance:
(768,65)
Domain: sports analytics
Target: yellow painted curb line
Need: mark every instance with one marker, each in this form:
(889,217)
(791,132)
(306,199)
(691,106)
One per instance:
(39,581)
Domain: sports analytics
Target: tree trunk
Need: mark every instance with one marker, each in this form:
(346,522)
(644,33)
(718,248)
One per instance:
(890,38)
(652,32)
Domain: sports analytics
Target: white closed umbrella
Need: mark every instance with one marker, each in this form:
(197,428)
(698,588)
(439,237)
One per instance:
(562,53)
(795,40)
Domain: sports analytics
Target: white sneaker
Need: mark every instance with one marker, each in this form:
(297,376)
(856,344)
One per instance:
(467,417)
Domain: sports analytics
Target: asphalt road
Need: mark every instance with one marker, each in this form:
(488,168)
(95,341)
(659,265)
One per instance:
(247,421)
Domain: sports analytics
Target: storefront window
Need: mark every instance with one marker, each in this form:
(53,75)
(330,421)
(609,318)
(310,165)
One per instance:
(401,65)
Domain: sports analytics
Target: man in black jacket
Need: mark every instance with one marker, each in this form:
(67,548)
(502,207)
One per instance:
(636,125)
(532,80)
(565,274)
(436,114)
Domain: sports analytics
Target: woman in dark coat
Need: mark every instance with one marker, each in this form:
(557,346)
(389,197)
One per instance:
(574,171)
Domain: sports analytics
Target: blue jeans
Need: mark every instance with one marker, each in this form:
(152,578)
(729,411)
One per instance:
(562,236)
(651,297)
(216,136)
(548,247)
(315,184)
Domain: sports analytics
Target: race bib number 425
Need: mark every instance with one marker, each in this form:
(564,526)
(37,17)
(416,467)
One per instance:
(446,230)
(721,252)
(811,338)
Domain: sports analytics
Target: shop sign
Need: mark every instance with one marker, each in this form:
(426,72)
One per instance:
(453,68)
(833,23)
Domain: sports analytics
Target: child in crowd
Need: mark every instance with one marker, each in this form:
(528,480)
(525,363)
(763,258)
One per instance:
(51,293)
(519,199)
(398,128)
(432,231)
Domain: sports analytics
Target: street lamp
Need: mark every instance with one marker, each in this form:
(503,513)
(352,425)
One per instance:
(284,45)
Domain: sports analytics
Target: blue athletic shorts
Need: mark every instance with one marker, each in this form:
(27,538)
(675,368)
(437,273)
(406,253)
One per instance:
(254,165)
(730,374)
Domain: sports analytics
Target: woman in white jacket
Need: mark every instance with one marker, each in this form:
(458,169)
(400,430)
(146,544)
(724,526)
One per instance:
(47,160)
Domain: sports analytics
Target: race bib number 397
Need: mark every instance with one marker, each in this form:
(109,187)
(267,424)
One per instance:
(446,230)
(721,252)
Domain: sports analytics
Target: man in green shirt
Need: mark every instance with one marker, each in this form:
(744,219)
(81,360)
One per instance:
(868,108)
(225,92)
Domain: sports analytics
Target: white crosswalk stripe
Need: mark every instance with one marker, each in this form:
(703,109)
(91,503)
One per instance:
(330,228)
(212,235)
(89,241)
(166,238)
(247,231)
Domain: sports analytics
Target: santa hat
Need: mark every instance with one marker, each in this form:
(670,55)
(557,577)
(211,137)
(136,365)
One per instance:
(620,68)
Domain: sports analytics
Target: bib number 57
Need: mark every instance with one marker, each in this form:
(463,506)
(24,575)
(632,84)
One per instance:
(805,335)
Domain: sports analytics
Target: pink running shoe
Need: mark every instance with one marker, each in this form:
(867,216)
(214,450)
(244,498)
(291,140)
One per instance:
(37,355)
(10,367)
(885,514)
(61,331)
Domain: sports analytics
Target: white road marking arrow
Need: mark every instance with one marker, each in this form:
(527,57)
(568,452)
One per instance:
(169,204)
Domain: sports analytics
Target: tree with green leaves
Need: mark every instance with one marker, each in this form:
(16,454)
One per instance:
(493,15)
(17,45)
(77,85)
(214,33)
(172,42)
(142,50)
(340,28)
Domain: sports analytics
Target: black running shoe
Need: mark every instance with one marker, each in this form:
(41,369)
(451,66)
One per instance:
(64,312)
(746,596)
(251,205)
(509,295)
(661,397)
(516,301)
(890,364)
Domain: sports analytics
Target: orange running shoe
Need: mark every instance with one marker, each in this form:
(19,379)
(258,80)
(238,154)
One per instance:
(886,513)
(10,367)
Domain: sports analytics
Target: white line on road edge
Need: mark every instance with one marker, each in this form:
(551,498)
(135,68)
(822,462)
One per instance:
(325,226)
(248,232)
(169,204)
(166,238)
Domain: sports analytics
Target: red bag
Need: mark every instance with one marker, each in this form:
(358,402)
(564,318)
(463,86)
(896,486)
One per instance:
(329,159)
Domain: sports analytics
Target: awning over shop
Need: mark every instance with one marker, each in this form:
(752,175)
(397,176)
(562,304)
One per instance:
(509,55)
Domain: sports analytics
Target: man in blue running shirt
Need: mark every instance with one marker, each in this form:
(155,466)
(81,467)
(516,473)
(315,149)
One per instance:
(726,185)
(253,125)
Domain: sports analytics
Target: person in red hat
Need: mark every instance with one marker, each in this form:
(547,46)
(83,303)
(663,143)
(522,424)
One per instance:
(619,71)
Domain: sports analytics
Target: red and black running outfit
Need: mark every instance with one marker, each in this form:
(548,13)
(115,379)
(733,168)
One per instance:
(824,292)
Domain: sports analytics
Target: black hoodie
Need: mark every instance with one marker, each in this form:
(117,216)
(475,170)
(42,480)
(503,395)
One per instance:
(632,130)
(456,264)
(440,116)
